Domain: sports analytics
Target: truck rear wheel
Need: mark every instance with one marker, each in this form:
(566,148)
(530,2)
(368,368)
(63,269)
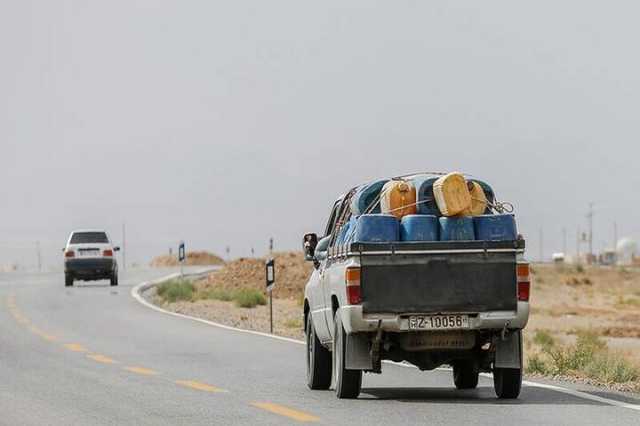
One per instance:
(318,360)
(68,280)
(114,279)
(348,382)
(465,374)
(507,382)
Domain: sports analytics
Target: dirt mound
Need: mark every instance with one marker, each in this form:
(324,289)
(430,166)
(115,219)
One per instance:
(194,258)
(292,273)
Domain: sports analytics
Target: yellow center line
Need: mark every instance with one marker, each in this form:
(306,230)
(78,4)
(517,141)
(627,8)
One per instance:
(286,412)
(75,347)
(142,370)
(199,386)
(102,359)
(35,330)
(21,319)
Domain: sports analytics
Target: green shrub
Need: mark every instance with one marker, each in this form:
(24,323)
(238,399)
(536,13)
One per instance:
(536,365)
(249,298)
(244,298)
(175,290)
(589,341)
(293,323)
(544,339)
(216,294)
(611,368)
(588,357)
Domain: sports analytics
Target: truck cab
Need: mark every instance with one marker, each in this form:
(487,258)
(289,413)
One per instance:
(429,303)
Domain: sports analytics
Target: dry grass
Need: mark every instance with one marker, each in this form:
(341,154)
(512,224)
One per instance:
(186,291)
(588,358)
(569,302)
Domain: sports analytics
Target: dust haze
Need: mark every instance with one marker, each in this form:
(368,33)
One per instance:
(227,123)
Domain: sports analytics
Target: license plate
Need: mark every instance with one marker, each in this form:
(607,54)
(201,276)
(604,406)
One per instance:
(447,339)
(438,322)
(89,253)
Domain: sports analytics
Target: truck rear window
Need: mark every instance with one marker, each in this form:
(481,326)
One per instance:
(89,237)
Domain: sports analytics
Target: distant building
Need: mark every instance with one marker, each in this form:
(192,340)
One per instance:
(626,251)
(11,267)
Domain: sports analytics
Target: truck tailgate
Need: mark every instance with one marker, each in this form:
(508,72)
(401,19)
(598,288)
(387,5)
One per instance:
(436,282)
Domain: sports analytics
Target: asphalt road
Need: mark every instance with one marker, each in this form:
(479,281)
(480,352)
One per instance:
(93,355)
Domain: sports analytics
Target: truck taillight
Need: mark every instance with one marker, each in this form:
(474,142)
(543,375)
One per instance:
(524,281)
(107,253)
(69,253)
(352,281)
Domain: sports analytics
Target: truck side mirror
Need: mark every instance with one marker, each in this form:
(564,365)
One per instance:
(309,243)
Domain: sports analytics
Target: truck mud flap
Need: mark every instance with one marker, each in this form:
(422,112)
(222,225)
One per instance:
(509,351)
(358,356)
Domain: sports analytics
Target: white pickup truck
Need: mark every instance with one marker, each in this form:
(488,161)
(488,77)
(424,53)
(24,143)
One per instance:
(457,303)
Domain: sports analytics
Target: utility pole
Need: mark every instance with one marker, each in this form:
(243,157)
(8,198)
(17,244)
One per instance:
(124,247)
(39,256)
(541,246)
(578,245)
(590,218)
(564,241)
(615,243)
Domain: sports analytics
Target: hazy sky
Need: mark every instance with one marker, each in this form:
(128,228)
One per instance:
(225,123)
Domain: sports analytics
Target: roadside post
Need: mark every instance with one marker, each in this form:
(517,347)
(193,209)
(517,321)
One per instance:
(271,279)
(181,258)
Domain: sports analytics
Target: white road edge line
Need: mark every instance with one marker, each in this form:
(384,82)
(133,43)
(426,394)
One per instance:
(136,294)
(137,290)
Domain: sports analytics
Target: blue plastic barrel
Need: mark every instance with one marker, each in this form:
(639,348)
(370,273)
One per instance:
(424,196)
(365,196)
(419,227)
(456,229)
(345,235)
(377,228)
(495,227)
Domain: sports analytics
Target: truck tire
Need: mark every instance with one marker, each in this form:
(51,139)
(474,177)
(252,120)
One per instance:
(318,360)
(507,382)
(348,382)
(68,280)
(114,279)
(465,374)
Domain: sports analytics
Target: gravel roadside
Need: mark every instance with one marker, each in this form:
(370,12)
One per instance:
(287,314)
